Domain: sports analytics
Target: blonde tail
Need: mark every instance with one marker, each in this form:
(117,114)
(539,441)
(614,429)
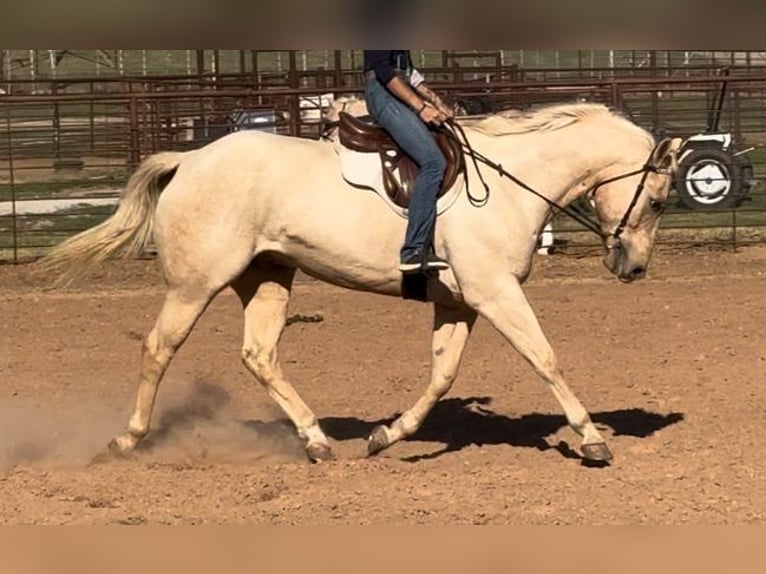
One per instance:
(127,232)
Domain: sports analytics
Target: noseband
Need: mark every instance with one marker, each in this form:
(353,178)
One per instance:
(644,171)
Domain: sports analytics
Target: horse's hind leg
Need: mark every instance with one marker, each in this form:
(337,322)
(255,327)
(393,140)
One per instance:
(452,328)
(180,311)
(265,294)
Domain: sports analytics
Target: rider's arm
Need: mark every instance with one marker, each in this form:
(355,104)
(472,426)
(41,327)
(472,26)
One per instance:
(404,92)
(429,95)
(380,62)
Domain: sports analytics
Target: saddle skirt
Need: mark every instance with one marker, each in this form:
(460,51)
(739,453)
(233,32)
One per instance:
(371,159)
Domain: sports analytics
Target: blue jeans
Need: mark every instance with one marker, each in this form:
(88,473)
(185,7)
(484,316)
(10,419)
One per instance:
(416,140)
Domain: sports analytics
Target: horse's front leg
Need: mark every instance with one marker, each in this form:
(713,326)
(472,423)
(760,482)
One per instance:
(451,330)
(506,307)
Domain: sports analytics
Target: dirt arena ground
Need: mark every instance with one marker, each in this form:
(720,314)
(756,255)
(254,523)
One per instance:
(671,368)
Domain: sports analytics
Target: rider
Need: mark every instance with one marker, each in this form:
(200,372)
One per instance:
(399,101)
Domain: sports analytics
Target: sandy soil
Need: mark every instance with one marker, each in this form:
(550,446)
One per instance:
(670,369)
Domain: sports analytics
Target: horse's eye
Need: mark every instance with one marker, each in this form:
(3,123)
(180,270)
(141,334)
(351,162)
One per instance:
(657,205)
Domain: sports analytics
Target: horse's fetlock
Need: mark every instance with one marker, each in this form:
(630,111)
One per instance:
(407,424)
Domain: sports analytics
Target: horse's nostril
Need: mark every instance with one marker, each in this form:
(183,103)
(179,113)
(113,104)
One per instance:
(638,272)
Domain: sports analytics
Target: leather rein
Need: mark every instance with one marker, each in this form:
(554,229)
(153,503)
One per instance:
(456,132)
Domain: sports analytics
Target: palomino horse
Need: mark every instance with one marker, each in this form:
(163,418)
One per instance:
(250,208)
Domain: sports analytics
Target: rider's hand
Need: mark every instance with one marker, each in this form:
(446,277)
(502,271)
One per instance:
(447,111)
(431,115)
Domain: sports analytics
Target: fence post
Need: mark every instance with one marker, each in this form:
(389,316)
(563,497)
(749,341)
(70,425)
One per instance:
(737,113)
(338,71)
(655,97)
(135,152)
(92,119)
(56,126)
(294,104)
(12,180)
(615,95)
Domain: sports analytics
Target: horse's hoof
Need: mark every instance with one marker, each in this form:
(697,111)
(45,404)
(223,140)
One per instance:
(377,441)
(113,452)
(597,452)
(122,446)
(319,452)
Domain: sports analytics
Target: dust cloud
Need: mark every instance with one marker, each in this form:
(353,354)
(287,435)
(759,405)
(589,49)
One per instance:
(193,427)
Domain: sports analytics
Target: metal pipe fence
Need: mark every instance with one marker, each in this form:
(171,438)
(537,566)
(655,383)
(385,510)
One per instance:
(69,146)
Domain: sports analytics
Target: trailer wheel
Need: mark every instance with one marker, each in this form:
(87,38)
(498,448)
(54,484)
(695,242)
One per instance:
(710,179)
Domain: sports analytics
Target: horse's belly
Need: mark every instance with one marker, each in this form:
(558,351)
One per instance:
(345,270)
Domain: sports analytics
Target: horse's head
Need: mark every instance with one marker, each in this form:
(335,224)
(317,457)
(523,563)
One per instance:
(629,201)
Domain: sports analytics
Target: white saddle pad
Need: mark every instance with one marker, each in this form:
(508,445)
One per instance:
(365,170)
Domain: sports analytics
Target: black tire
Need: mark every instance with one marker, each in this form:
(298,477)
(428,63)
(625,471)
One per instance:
(710,178)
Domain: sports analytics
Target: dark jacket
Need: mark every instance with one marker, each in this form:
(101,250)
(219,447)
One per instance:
(385,63)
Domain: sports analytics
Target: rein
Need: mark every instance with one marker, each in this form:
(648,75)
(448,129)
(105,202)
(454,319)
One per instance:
(458,134)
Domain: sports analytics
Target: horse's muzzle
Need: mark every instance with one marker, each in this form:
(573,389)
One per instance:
(616,261)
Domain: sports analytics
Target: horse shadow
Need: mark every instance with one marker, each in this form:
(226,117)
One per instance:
(455,423)
(458,423)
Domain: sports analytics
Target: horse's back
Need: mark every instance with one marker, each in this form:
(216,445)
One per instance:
(251,139)
(240,159)
(251,182)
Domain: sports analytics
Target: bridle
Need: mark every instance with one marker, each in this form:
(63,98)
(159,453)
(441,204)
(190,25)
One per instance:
(611,240)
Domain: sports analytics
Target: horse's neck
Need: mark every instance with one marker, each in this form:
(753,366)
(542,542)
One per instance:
(562,168)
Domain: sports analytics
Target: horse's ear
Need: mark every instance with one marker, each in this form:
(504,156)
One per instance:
(666,153)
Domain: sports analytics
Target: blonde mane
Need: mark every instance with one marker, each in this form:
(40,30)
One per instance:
(548,118)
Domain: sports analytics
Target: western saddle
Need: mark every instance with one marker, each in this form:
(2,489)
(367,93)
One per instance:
(365,136)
